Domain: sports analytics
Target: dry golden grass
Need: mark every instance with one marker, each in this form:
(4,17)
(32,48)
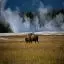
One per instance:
(50,50)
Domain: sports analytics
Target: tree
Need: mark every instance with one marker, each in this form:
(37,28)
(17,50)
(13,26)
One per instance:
(4,28)
(30,15)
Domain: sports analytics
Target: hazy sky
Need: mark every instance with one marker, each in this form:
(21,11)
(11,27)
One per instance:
(33,4)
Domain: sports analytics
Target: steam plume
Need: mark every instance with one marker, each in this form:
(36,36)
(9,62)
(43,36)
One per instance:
(39,22)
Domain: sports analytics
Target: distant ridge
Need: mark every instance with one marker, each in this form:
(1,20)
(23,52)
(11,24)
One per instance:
(39,33)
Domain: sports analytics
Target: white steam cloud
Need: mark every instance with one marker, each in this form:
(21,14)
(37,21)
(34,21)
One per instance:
(40,22)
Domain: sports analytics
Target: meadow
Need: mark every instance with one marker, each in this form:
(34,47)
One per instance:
(49,50)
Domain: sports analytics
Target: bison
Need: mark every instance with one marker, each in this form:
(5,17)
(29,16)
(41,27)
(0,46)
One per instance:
(31,37)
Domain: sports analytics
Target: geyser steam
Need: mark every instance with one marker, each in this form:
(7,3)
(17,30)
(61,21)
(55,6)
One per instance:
(39,22)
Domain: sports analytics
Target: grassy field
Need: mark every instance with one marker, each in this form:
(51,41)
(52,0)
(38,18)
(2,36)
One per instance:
(50,50)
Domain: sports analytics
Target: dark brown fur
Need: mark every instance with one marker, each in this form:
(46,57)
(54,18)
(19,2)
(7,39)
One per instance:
(31,37)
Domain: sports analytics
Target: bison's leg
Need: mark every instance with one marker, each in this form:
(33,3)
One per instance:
(30,40)
(37,39)
(26,40)
(34,40)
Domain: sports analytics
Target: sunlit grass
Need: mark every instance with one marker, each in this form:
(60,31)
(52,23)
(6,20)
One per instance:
(46,52)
